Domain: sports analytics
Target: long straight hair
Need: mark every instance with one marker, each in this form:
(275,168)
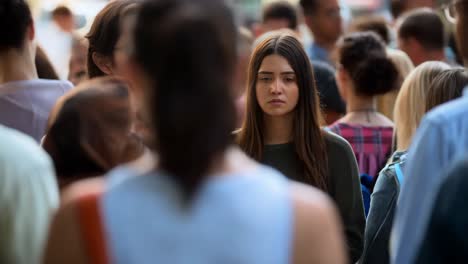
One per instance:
(308,137)
(188,50)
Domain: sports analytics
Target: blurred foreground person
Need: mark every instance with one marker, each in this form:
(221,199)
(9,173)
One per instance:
(184,54)
(441,140)
(28,196)
(25,100)
(89,131)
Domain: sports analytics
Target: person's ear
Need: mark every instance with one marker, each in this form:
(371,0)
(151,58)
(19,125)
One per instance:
(342,81)
(104,63)
(31,31)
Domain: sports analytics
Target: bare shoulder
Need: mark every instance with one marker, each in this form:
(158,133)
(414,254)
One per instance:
(64,243)
(81,189)
(310,200)
(318,234)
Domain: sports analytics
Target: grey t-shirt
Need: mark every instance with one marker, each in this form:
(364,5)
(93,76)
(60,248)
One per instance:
(25,105)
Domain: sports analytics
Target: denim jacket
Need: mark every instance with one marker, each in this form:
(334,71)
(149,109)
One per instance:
(381,212)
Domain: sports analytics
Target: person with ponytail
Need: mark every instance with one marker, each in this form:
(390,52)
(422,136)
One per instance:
(282,130)
(206,201)
(364,72)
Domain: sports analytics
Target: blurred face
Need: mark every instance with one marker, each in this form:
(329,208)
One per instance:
(326,22)
(276,89)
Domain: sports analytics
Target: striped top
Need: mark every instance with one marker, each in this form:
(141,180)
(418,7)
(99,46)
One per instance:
(241,218)
(372,145)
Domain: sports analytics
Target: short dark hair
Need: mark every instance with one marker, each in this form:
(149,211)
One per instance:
(424,25)
(281,10)
(15,17)
(375,24)
(104,34)
(309,6)
(363,56)
(61,11)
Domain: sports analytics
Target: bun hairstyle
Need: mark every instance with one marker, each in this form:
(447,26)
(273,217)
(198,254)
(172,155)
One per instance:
(187,49)
(363,56)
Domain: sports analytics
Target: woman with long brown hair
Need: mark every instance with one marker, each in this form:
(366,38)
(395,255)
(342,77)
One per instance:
(282,129)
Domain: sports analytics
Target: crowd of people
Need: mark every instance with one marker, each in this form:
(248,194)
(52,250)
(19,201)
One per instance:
(183,135)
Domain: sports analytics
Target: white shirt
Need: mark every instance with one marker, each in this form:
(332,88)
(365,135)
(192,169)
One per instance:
(28,196)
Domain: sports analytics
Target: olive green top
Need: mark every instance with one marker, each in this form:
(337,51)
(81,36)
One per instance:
(343,183)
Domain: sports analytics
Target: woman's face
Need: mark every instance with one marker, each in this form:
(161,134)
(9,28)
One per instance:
(276,88)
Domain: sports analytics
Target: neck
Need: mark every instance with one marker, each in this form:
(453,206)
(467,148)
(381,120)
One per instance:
(357,104)
(433,55)
(17,65)
(278,129)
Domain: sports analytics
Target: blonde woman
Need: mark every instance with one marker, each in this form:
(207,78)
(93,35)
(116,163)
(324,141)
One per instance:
(386,102)
(409,110)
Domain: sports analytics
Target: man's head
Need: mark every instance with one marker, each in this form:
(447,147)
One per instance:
(324,19)
(16,25)
(279,15)
(63,17)
(421,35)
(375,24)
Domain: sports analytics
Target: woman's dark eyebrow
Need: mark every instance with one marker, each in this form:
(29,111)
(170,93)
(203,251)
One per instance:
(287,72)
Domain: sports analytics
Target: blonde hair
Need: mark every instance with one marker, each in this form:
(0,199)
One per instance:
(410,105)
(386,102)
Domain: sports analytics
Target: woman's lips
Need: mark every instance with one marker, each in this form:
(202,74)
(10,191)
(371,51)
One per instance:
(276,101)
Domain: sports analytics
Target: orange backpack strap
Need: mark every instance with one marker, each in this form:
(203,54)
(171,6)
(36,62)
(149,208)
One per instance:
(92,229)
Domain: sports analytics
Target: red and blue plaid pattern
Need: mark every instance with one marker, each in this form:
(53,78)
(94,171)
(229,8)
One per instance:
(371,145)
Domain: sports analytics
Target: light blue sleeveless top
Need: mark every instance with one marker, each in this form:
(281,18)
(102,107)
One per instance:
(244,218)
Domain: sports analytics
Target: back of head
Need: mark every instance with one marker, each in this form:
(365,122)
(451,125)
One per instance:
(61,11)
(15,17)
(89,130)
(376,24)
(104,34)
(410,103)
(402,62)
(425,26)
(448,85)
(462,29)
(309,6)
(363,56)
(281,10)
(187,50)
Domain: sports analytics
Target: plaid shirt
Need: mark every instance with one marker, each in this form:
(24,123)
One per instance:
(371,145)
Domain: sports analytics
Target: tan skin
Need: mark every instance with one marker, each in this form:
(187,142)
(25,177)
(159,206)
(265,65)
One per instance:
(356,103)
(318,235)
(326,23)
(277,95)
(18,64)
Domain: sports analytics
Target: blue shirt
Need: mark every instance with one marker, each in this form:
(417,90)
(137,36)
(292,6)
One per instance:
(441,139)
(242,218)
(318,53)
